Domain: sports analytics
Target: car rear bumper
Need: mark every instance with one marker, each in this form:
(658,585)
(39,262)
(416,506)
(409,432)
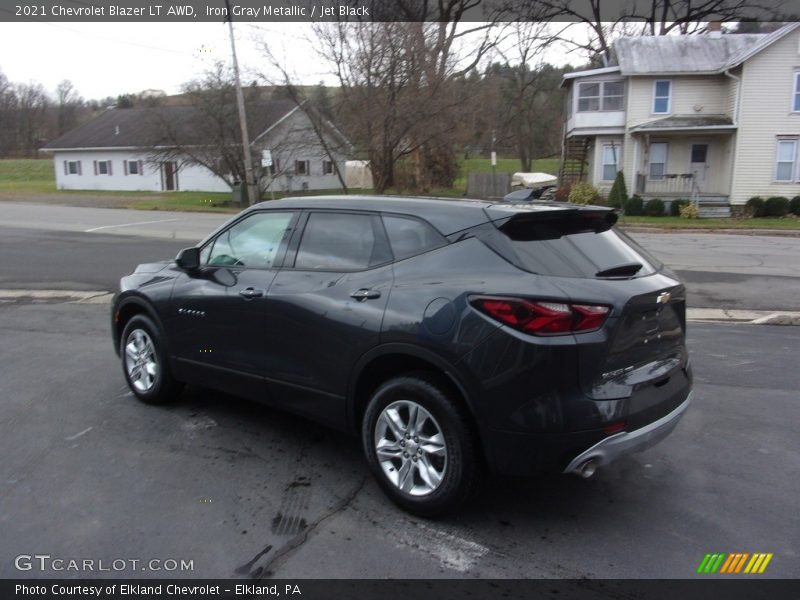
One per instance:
(627,442)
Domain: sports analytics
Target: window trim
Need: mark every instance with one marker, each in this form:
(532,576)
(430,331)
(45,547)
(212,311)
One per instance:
(668,96)
(794,174)
(650,160)
(306,165)
(77,164)
(378,229)
(795,93)
(601,97)
(325,163)
(617,150)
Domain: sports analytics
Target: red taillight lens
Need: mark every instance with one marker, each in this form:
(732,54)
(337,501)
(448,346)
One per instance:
(541,317)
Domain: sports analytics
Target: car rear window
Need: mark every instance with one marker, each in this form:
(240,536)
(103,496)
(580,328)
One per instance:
(410,237)
(567,249)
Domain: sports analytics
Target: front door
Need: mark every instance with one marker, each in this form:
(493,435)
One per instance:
(699,163)
(217,323)
(325,310)
(170,175)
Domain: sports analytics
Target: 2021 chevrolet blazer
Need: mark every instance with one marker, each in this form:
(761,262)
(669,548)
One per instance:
(450,335)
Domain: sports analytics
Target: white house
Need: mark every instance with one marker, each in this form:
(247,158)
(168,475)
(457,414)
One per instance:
(714,117)
(128,150)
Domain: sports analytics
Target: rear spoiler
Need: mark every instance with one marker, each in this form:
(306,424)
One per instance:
(551,223)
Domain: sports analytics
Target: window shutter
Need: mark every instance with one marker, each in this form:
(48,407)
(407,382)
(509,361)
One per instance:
(125,167)
(109,168)
(66,168)
(95,167)
(80,169)
(141,167)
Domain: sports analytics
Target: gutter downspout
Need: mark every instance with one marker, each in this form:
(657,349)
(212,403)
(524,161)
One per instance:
(735,148)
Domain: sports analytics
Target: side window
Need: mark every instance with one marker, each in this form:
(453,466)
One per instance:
(409,237)
(251,243)
(341,242)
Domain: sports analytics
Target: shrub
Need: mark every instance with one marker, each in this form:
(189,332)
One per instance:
(654,208)
(618,195)
(777,206)
(562,193)
(634,206)
(755,206)
(677,205)
(689,211)
(583,193)
(794,206)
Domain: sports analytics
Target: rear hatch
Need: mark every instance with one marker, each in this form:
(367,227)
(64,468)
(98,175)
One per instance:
(640,351)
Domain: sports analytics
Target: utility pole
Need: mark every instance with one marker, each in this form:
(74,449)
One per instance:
(250,177)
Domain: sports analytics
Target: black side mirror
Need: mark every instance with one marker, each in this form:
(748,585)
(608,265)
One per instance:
(188,259)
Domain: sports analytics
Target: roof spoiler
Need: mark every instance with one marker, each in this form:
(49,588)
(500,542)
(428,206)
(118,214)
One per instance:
(553,224)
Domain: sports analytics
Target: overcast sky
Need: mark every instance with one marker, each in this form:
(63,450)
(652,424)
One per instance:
(108,59)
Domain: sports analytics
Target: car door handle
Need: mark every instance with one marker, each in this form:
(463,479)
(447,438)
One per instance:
(251,293)
(365,294)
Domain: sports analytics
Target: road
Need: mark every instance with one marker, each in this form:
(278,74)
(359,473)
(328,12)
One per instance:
(246,491)
(100,244)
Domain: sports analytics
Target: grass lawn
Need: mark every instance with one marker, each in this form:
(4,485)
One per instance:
(26,175)
(789,222)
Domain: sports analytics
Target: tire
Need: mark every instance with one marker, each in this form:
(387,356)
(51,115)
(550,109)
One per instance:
(144,362)
(445,472)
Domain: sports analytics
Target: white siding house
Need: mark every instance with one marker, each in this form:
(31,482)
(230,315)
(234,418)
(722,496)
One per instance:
(123,149)
(714,117)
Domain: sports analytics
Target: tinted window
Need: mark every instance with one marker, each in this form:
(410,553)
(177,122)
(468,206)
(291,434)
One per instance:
(565,249)
(340,242)
(252,243)
(409,237)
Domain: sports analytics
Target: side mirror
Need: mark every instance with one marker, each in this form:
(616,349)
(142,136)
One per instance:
(188,259)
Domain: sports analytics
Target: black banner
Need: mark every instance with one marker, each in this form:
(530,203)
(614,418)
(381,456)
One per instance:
(347,589)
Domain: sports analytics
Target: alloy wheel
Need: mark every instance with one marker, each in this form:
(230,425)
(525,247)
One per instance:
(141,362)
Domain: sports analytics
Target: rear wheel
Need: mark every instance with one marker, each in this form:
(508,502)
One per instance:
(419,444)
(144,362)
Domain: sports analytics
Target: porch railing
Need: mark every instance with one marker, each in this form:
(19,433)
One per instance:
(670,184)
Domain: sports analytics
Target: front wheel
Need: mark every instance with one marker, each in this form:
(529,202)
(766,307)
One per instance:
(419,444)
(144,362)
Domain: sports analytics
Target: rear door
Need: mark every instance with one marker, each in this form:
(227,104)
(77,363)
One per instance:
(324,309)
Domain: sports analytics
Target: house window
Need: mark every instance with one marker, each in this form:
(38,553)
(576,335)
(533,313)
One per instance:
(662,92)
(796,95)
(72,167)
(658,160)
(602,95)
(102,167)
(327,167)
(785,160)
(301,167)
(610,161)
(133,167)
(275,167)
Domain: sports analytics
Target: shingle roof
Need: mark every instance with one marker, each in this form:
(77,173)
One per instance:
(147,127)
(666,54)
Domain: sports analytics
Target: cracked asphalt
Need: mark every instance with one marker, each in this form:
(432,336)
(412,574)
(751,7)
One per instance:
(249,492)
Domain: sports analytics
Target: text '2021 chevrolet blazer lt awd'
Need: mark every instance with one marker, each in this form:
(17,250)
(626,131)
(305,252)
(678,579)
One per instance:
(449,335)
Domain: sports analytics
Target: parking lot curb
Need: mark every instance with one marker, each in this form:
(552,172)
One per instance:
(754,317)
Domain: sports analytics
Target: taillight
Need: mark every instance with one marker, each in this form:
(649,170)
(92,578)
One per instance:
(542,317)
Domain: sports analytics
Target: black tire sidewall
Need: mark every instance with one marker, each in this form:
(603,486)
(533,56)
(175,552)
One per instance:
(161,391)
(434,397)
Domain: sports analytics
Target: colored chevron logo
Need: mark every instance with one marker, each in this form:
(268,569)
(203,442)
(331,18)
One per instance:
(722,563)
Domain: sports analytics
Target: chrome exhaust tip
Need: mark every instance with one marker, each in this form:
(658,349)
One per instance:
(588,468)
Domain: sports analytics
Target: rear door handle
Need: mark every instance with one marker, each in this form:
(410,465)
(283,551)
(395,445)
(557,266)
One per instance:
(251,293)
(365,294)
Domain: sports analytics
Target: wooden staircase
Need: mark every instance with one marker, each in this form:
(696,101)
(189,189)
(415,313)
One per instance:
(713,207)
(573,161)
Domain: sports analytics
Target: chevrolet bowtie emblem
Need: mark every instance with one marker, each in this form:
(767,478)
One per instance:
(663,297)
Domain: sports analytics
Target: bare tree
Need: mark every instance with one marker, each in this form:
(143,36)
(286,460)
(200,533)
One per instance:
(8,109)
(397,87)
(32,105)
(68,104)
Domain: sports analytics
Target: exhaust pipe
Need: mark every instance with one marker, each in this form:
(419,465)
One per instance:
(588,468)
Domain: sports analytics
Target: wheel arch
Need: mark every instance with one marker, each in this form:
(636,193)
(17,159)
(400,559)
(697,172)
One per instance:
(127,308)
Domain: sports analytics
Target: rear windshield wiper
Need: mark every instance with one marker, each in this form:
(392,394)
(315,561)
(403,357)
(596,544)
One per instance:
(624,270)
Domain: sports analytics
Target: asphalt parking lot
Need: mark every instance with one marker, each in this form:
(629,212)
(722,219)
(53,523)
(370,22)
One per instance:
(239,490)
(245,491)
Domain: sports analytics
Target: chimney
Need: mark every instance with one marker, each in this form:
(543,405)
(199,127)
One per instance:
(714,29)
